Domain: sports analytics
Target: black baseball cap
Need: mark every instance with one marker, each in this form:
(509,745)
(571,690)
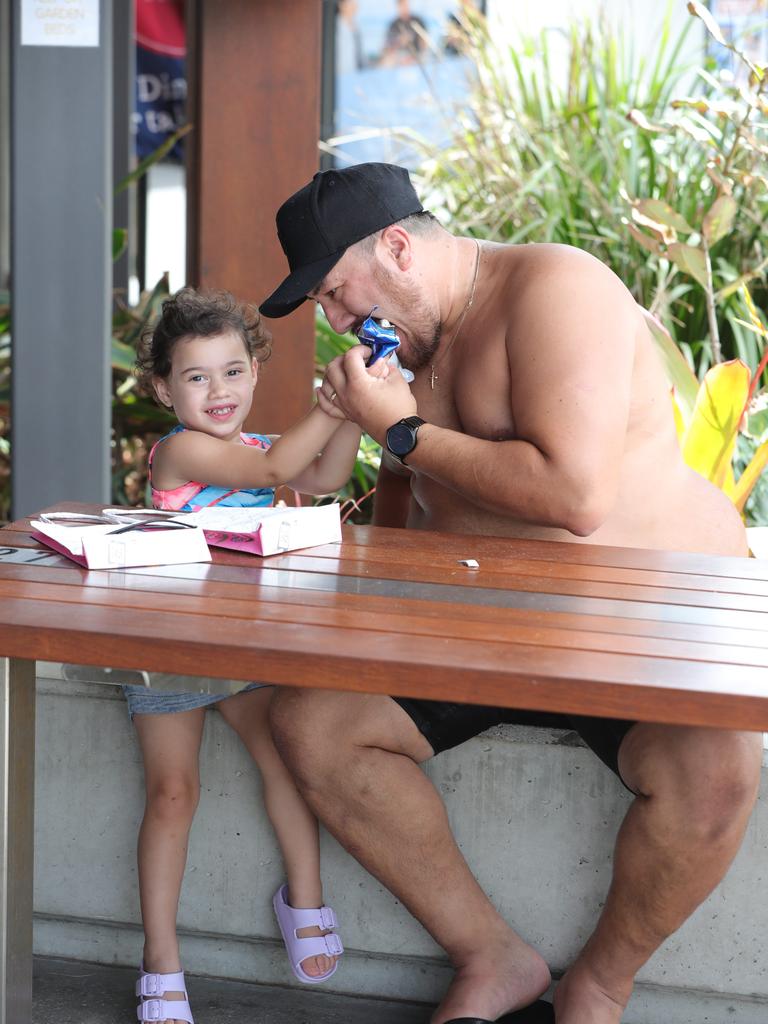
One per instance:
(336,209)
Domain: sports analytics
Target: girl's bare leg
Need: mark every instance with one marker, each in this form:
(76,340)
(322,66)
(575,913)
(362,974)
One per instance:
(295,826)
(170,746)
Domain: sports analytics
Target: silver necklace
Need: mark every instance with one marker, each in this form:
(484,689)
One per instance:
(433,375)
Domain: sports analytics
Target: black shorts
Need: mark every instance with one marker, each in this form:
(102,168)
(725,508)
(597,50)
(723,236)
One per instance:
(446,725)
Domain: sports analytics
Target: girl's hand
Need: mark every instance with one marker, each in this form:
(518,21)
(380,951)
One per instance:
(326,395)
(326,399)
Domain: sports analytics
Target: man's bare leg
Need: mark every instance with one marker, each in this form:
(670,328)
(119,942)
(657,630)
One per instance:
(356,760)
(696,790)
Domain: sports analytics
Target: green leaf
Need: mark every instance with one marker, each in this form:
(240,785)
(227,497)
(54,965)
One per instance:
(757,425)
(123,356)
(638,117)
(642,239)
(147,311)
(700,11)
(679,373)
(119,242)
(662,213)
(162,150)
(690,260)
(719,219)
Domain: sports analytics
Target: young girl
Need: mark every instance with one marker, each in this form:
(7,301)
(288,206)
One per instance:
(202,360)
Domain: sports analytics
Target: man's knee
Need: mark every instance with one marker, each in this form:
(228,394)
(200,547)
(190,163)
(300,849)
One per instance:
(713,774)
(322,732)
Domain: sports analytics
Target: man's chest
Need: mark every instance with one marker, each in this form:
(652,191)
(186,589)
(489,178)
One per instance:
(471,395)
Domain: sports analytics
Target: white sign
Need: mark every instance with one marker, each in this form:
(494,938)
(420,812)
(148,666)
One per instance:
(59,22)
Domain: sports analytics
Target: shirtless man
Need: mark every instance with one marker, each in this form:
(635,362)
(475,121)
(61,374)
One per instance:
(545,413)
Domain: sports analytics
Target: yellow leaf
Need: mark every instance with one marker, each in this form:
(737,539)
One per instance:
(729,484)
(750,476)
(752,309)
(678,417)
(710,437)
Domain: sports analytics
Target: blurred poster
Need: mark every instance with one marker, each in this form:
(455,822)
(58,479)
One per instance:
(399,69)
(161,82)
(745,24)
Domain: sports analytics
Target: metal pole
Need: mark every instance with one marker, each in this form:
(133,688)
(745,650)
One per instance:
(61,233)
(17,792)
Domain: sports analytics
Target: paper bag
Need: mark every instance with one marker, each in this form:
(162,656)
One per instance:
(269,531)
(103,547)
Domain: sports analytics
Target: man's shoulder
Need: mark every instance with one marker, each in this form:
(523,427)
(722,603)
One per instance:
(539,259)
(557,274)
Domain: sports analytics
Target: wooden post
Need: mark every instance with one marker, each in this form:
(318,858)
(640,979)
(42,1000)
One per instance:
(254,73)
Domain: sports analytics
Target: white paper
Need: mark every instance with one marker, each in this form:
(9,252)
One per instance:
(59,22)
(235,520)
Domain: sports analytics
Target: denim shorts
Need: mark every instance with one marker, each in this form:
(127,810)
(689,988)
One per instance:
(144,701)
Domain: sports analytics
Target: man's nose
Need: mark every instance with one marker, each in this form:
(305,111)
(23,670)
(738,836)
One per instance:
(340,320)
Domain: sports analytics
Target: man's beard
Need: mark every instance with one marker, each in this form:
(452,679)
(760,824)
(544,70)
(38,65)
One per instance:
(425,331)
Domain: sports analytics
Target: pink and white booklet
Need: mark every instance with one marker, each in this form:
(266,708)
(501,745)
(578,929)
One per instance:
(268,531)
(124,537)
(115,540)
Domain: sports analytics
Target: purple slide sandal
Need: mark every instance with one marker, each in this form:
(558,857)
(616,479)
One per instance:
(291,920)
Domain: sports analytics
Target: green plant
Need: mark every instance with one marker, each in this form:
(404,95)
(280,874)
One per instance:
(137,419)
(713,238)
(599,150)
(717,413)
(543,146)
(586,148)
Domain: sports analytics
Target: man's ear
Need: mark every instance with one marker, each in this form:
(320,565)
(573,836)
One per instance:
(161,390)
(397,246)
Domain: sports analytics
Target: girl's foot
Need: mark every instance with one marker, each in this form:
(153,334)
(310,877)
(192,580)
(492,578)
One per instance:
(308,933)
(163,986)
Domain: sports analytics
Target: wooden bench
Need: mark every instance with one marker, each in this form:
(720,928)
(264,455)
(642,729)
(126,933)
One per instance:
(646,635)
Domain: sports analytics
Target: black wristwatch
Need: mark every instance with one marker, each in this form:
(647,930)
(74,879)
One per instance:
(401,437)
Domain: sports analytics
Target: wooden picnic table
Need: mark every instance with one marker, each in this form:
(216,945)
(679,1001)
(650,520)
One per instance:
(586,629)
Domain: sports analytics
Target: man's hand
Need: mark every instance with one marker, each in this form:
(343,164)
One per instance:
(374,397)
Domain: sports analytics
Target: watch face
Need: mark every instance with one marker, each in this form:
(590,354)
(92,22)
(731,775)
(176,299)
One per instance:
(400,439)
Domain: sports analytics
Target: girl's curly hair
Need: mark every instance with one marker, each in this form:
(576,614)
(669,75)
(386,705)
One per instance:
(197,314)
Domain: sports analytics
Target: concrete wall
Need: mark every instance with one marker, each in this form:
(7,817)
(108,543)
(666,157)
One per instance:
(534,813)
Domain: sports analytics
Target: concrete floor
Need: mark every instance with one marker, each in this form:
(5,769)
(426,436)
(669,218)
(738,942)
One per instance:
(73,992)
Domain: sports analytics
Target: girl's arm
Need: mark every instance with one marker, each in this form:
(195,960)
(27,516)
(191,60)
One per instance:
(332,467)
(193,455)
